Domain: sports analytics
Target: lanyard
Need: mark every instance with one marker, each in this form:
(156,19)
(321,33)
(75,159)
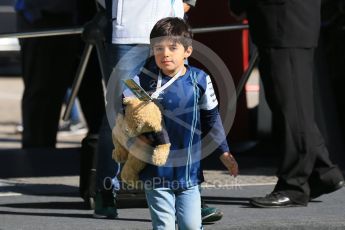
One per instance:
(160,88)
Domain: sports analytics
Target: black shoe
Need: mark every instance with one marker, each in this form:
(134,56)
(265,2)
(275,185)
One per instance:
(321,190)
(105,207)
(274,200)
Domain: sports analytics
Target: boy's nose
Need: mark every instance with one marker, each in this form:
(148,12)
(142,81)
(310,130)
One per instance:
(166,52)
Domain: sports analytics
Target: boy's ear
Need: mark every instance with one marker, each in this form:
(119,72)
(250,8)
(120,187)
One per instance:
(188,52)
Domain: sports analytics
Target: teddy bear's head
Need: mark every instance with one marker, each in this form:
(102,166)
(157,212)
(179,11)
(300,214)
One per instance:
(141,116)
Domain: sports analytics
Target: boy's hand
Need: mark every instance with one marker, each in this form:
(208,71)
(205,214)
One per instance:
(230,163)
(186,7)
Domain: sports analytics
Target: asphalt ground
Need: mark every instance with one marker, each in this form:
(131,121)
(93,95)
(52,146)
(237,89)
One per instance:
(53,203)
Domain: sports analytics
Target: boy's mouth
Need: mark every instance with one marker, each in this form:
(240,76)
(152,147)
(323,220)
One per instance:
(166,61)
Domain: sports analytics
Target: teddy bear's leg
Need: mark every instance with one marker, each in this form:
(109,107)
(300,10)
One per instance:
(160,154)
(120,153)
(131,169)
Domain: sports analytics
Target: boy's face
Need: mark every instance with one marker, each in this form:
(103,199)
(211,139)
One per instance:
(170,56)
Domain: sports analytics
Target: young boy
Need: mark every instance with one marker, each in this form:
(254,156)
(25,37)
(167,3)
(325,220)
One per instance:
(189,109)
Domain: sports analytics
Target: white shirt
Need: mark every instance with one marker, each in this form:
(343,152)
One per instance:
(133,20)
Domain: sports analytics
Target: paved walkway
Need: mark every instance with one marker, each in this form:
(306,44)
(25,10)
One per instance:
(53,203)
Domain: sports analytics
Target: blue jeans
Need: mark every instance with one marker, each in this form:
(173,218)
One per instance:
(166,204)
(122,61)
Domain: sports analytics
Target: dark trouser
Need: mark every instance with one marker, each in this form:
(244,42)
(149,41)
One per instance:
(287,76)
(49,65)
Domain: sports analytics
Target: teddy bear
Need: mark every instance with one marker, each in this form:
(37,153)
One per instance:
(139,137)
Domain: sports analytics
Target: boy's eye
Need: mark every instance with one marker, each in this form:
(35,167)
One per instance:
(158,49)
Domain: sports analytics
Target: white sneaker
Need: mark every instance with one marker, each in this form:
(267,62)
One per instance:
(68,128)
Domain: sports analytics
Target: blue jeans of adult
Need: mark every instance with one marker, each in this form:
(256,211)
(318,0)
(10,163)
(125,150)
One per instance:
(122,62)
(166,205)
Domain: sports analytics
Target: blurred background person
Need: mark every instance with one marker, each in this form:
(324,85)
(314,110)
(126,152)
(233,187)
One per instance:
(286,33)
(49,65)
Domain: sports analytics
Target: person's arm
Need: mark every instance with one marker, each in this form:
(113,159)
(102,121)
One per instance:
(230,163)
(190,2)
(213,127)
(187,4)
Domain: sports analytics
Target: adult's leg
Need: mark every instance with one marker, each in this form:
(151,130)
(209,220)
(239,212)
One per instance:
(290,74)
(122,61)
(47,70)
(91,94)
(326,177)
